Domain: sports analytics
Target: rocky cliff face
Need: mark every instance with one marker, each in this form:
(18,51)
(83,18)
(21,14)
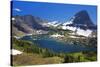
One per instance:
(27,24)
(81,24)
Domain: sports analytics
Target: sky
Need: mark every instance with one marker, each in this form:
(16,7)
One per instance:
(52,11)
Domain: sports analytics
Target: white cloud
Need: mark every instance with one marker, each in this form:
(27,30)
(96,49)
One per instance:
(17,9)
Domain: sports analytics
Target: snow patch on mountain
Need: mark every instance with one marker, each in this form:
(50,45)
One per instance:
(69,22)
(45,25)
(84,32)
(57,35)
(69,28)
(66,23)
(54,23)
(78,30)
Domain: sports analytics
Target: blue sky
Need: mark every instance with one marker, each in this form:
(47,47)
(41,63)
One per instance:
(52,11)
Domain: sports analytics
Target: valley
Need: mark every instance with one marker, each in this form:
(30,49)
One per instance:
(39,41)
(51,52)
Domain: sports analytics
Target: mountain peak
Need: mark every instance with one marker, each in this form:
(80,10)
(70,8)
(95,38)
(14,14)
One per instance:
(81,20)
(82,17)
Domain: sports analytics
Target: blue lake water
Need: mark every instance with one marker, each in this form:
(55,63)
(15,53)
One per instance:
(57,46)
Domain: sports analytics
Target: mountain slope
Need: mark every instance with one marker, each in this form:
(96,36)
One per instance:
(27,24)
(80,23)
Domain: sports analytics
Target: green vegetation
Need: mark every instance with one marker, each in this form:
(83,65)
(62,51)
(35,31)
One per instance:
(80,57)
(28,47)
(85,41)
(33,59)
(59,31)
(33,55)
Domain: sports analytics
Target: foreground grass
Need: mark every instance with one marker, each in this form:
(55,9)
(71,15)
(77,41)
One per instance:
(80,57)
(34,55)
(38,59)
(34,59)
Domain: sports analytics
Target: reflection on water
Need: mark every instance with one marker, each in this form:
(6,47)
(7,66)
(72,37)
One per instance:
(45,41)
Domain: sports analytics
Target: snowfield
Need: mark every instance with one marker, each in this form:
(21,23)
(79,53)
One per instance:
(57,35)
(84,32)
(79,31)
(15,52)
(54,23)
(66,23)
(69,28)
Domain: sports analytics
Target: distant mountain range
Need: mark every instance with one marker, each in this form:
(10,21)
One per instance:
(80,23)
(27,24)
